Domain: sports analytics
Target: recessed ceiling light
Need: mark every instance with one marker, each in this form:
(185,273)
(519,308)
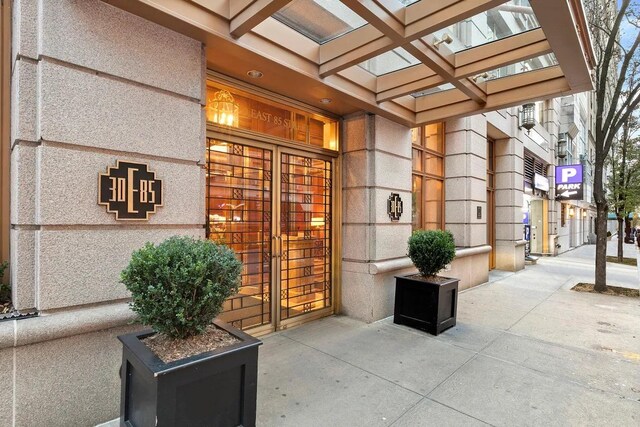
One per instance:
(255,74)
(326,100)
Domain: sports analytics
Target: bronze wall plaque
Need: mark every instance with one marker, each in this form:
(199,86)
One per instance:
(394,207)
(130,190)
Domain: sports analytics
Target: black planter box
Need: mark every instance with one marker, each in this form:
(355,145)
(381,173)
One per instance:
(216,388)
(426,305)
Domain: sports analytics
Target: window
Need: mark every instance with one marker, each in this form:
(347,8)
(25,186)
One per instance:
(532,166)
(428,177)
(563,215)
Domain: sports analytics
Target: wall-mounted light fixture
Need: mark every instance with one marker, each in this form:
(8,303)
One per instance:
(222,109)
(572,212)
(584,214)
(562,145)
(483,76)
(446,38)
(527,116)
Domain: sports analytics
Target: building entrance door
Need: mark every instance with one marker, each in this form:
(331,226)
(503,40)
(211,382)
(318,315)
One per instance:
(538,221)
(273,207)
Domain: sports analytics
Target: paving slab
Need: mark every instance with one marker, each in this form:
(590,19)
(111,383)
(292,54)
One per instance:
(468,335)
(403,356)
(474,313)
(587,326)
(498,305)
(430,413)
(300,386)
(605,304)
(504,394)
(591,369)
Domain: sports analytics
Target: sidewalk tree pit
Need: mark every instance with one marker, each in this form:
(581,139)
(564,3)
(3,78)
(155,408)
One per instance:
(189,369)
(427,301)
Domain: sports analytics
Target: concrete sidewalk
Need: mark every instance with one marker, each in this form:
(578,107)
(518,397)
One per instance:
(526,351)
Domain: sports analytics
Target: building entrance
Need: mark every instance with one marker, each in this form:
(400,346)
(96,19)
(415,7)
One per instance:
(539,224)
(273,207)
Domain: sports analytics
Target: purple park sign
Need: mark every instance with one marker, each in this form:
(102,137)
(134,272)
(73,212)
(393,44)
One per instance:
(569,182)
(569,174)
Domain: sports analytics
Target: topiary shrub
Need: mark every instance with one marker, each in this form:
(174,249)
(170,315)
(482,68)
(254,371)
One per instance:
(178,287)
(431,250)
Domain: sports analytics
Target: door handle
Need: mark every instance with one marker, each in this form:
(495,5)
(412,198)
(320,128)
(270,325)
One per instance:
(277,247)
(279,254)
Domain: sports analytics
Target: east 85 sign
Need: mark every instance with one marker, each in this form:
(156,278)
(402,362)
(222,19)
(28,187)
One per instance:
(130,190)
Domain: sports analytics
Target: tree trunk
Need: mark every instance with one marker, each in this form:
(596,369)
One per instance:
(601,247)
(627,230)
(621,235)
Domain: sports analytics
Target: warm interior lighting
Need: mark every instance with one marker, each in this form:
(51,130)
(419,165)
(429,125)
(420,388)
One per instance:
(528,116)
(219,147)
(222,109)
(572,212)
(317,222)
(217,218)
(584,214)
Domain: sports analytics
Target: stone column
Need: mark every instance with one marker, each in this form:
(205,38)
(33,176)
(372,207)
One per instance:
(85,94)
(553,126)
(509,199)
(376,162)
(91,85)
(466,176)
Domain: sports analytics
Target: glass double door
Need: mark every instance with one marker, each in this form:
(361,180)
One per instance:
(273,207)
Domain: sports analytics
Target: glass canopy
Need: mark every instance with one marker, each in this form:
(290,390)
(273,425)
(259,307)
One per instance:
(532,64)
(320,20)
(506,20)
(332,42)
(390,61)
(441,88)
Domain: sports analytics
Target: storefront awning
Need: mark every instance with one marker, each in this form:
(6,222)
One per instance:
(413,61)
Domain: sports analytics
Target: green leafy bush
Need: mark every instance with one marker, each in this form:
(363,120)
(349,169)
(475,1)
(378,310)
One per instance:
(5,290)
(431,250)
(178,287)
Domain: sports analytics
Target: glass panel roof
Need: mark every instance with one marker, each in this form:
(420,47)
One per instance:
(508,19)
(441,88)
(320,20)
(532,64)
(387,62)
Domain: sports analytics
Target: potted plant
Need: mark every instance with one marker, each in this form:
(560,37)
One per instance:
(189,370)
(427,301)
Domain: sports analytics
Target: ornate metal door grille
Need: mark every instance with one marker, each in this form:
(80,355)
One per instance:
(305,222)
(241,183)
(239,190)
